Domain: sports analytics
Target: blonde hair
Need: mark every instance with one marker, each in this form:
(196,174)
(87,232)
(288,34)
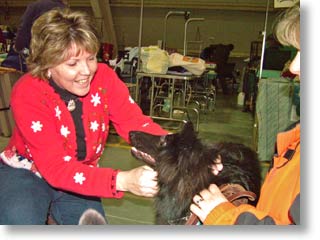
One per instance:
(287,27)
(54,33)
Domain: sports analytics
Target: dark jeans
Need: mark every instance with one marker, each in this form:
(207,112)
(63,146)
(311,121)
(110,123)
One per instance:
(27,199)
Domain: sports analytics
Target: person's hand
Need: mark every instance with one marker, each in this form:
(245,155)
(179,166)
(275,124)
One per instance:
(141,181)
(217,165)
(206,201)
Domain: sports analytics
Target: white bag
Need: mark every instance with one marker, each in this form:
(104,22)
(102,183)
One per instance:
(241,97)
(193,64)
(154,60)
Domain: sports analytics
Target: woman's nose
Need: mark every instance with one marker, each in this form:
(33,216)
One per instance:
(85,68)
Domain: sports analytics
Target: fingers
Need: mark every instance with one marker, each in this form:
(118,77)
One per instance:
(216,168)
(197,199)
(149,172)
(197,209)
(148,182)
(206,200)
(149,192)
(213,188)
(217,165)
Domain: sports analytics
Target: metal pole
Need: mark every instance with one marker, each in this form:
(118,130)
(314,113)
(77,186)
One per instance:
(185,33)
(165,25)
(140,35)
(264,40)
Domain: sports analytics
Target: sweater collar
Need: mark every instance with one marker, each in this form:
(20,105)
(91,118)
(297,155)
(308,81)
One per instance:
(64,94)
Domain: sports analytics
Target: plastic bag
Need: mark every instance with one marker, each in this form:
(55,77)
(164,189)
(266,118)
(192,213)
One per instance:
(194,65)
(240,99)
(154,60)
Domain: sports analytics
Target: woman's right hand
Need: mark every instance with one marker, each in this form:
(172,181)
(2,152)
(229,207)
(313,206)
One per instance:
(141,181)
(217,165)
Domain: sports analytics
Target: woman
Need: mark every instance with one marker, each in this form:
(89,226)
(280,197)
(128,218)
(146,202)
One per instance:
(279,201)
(62,110)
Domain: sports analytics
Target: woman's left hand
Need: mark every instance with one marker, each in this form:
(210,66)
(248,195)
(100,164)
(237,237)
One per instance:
(141,181)
(206,201)
(217,165)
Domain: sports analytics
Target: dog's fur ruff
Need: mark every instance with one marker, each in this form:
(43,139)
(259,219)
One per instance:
(183,164)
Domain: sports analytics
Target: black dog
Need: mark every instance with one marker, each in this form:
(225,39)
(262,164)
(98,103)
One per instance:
(184,163)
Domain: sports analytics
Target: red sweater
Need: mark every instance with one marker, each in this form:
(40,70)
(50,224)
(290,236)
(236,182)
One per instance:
(45,131)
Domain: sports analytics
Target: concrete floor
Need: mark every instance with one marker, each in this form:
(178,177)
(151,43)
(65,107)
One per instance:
(226,123)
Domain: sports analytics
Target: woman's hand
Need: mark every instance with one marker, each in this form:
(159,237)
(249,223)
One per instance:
(141,181)
(207,200)
(217,165)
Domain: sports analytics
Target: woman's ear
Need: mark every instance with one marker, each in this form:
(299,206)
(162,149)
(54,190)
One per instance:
(49,74)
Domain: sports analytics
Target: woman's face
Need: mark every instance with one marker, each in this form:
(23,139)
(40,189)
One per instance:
(75,73)
(295,65)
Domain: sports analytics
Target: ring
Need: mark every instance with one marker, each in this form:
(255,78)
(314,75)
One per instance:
(199,200)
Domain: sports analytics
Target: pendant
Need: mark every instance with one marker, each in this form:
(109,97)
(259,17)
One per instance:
(71,105)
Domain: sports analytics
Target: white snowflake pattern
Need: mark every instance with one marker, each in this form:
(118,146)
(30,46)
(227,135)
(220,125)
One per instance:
(36,126)
(103,127)
(145,125)
(64,131)
(98,149)
(67,158)
(131,100)
(94,126)
(95,99)
(79,178)
(58,112)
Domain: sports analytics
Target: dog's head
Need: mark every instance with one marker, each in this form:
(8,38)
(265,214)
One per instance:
(175,156)
(151,148)
(182,155)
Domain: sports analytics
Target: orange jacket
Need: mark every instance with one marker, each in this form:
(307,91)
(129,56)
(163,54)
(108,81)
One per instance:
(279,201)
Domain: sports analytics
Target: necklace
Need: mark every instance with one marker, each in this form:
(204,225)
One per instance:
(71,105)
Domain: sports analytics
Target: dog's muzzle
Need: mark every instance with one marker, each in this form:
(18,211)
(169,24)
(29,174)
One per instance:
(143,156)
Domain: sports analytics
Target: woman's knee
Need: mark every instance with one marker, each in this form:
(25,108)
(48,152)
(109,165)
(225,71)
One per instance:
(24,198)
(23,214)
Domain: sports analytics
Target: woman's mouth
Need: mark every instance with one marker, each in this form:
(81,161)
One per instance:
(82,81)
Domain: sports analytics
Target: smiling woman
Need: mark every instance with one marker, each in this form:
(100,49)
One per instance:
(62,110)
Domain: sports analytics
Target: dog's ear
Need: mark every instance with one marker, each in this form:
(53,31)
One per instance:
(188,130)
(188,136)
(188,126)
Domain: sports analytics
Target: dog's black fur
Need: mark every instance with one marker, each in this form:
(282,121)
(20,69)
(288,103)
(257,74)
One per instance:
(183,164)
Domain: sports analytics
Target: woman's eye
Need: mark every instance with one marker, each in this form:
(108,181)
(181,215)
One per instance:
(71,64)
(92,58)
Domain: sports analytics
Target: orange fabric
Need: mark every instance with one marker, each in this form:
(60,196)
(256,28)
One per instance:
(282,183)
(281,187)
